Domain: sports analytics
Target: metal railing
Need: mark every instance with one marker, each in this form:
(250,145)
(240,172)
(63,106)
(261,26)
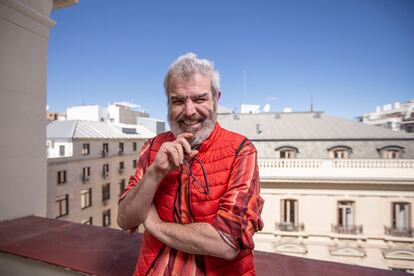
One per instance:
(404,232)
(289,227)
(347,229)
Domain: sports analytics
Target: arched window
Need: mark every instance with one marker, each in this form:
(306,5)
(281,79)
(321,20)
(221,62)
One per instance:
(340,152)
(286,152)
(391,152)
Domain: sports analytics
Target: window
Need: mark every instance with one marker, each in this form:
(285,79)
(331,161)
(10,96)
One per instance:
(106,218)
(286,152)
(134,146)
(121,148)
(62,203)
(105,170)
(346,219)
(121,186)
(86,198)
(340,152)
(289,211)
(61,150)
(87,221)
(61,177)
(391,152)
(86,172)
(134,164)
(289,216)
(346,214)
(85,149)
(401,215)
(105,150)
(106,192)
(121,167)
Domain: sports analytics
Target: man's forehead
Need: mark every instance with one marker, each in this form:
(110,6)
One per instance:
(196,85)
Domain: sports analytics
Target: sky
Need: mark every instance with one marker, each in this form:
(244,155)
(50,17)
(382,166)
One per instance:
(347,56)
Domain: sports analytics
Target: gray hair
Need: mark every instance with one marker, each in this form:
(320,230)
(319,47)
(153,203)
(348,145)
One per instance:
(187,65)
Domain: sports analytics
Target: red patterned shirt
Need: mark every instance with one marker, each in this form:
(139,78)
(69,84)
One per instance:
(241,203)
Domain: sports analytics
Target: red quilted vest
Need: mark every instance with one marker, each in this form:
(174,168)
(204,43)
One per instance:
(217,154)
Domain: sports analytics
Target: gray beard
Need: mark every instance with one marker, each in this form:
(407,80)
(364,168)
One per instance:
(207,126)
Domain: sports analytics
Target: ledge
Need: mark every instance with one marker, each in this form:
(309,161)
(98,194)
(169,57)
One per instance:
(104,251)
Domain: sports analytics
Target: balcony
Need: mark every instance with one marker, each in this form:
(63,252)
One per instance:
(289,227)
(347,229)
(85,178)
(121,152)
(55,247)
(404,232)
(401,170)
(105,153)
(105,174)
(121,170)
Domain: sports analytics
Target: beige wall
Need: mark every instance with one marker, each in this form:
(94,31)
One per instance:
(24,32)
(318,211)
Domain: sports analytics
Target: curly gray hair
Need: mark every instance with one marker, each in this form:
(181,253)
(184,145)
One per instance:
(187,65)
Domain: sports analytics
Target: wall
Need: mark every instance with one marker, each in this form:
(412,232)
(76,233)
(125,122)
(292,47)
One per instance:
(24,33)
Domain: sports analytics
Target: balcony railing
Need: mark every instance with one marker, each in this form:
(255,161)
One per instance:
(105,153)
(336,163)
(121,170)
(105,174)
(348,229)
(121,152)
(404,232)
(289,227)
(85,178)
(337,169)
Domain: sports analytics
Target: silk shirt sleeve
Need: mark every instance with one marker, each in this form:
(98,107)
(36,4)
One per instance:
(140,170)
(240,208)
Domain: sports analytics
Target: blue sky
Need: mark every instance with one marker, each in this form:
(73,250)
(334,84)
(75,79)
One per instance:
(349,55)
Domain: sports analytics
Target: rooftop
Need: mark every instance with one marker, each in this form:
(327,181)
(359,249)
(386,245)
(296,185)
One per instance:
(304,126)
(103,251)
(96,130)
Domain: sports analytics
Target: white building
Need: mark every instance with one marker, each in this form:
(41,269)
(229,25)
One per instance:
(89,165)
(119,113)
(395,116)
(334,189)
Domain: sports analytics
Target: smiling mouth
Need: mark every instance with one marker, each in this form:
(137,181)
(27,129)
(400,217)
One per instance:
(189,123)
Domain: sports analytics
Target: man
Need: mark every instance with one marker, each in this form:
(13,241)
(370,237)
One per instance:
(196,187)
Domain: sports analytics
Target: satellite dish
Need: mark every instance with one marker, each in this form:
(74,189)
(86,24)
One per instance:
(266,108)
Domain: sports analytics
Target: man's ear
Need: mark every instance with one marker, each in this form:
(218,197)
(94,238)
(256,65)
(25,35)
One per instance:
(218,95)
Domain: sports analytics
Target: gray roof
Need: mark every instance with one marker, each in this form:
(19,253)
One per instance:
(304,126)
(96,130)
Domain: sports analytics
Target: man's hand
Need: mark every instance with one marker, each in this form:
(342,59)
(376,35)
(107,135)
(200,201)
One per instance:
(135,207)
(171,155)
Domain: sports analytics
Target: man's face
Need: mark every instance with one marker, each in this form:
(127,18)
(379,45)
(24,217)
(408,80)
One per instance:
(192,107)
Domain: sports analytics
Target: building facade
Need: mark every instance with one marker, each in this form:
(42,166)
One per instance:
(395,116)
(334,189)
(89,165)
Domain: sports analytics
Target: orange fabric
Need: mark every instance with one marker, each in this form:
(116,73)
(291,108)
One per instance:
(233,204)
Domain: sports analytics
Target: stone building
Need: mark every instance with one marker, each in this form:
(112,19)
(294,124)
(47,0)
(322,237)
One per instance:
(88,166)
(334,189)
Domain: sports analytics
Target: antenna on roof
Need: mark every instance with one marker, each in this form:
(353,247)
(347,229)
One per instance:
(311,103)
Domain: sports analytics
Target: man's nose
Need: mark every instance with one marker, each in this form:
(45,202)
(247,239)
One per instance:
(189,108)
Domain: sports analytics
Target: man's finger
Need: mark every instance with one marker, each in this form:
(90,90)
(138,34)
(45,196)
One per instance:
(183,140)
